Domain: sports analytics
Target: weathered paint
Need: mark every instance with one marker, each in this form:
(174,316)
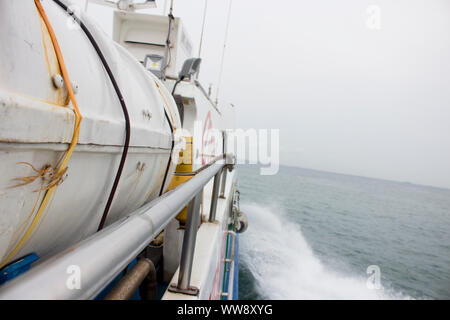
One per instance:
(36,127)
(58,96)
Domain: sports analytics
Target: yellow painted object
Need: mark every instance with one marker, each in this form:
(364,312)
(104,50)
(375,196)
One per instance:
(185,159)
(182,174)
(176,181)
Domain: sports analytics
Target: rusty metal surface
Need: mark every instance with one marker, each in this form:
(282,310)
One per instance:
(125,288)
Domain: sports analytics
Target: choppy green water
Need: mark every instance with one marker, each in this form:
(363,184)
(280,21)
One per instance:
(313,234)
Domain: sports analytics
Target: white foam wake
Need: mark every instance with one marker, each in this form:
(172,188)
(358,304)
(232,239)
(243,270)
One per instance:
(285,267)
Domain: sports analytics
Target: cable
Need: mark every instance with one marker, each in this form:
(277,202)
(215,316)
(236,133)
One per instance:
(172,129)
(167,53)
(58,173)
(176,84)
(203,28)
(223,52)
(170,157)
(124,110)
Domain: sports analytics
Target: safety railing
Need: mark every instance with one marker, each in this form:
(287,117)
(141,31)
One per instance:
(98,259)
(190,235)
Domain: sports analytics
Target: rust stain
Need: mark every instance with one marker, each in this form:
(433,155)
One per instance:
(51,103)
(154,191)
(139,170)
(44,215)
(22,226)
(44,43)
(60,96)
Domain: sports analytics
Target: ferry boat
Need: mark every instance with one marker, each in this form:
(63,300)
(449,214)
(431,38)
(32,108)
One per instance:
(116,177)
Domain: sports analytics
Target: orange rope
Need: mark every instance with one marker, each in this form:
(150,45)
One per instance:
(63,166)
(167,105)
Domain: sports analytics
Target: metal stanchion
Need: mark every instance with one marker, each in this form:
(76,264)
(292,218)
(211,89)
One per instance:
(224,183)
(187,253)
(215,194)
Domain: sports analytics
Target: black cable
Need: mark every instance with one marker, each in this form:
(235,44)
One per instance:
(175,85)
(122,103)
(170,157)
(169,54)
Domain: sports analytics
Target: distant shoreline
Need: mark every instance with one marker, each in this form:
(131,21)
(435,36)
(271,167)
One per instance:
(406,183)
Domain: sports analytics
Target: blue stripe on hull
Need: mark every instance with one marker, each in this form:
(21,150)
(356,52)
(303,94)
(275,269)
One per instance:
(236,270)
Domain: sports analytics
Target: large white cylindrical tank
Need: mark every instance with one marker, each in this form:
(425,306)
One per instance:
(37,124)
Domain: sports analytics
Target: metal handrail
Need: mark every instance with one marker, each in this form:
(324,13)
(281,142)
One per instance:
(101,257)
(214,196)
(187,253)
(190,234)
(233,247)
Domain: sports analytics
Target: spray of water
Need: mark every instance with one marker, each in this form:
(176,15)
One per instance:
(285,267)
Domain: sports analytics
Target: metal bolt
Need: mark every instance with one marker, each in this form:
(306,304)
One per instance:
(58,81)
(147,114)
(75,87)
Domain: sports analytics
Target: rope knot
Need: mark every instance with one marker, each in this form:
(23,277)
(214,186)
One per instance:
(50,177)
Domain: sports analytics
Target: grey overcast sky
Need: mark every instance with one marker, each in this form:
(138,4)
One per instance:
(346,98)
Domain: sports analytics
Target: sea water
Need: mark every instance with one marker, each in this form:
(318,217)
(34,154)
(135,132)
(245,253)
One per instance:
(319,235)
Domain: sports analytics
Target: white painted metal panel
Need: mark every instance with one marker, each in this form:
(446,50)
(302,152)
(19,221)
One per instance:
(143,34)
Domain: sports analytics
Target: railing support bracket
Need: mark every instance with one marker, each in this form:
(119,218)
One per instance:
(191,291)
